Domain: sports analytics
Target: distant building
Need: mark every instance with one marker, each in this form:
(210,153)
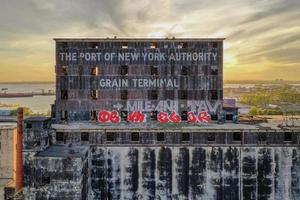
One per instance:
(9,161)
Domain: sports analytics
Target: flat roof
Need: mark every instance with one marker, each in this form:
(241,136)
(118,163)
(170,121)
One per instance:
(36,119)
(272,124)
(109,39)
(7,125)
(64,151)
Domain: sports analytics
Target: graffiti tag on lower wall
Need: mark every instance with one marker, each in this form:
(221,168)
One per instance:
(105,116)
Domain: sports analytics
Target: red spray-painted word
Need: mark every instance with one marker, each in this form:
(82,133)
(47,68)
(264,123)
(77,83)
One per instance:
(136,116)
(202,117)
(165,118)
(106,116)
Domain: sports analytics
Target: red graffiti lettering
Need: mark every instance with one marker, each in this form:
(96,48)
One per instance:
(192,117)
(106,116)
(103,116)
(204,117)
(136,117)
(174,117)
(114,117)
(163,117)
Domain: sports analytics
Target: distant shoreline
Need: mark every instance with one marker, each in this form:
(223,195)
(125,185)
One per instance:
(261,81)
(29,82)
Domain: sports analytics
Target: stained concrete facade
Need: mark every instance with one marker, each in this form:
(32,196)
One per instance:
(7,131)
(245,162)
(59,172)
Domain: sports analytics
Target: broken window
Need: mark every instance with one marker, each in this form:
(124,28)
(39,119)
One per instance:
(211,137)
(184,70)
(154,71)
(153,45)
(160,136)
(28,125)
(153,115)
(45,125)
(237,136)
(124,45)
(124,94)
(94,45)
(124,115)
(45,180)
(64,94)
(152,94)
(64,70)
(182,45)
(135,137)
(85,136)
(80,70)
(287,136)
(110,136)
(262,136)
(59,136)
(94,94)
(124,70)
(214,117)
(93,115)
(182,94)
(185,137)
(64,45)
(214,71)
(213,95)
(184,115)
(64,115)
(94,71)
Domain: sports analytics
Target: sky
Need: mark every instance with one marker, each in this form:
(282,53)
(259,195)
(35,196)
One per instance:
(262,36)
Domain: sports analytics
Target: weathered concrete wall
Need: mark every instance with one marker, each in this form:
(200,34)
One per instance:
(55,177)
(38,136)
(195,172)
(6,157)
(6,152)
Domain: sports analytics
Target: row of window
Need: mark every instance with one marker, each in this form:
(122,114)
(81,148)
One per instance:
(151,45)
(124,115)
(152,94)
(160,136)
(124,71)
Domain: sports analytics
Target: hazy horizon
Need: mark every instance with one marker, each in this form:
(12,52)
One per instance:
(262,36)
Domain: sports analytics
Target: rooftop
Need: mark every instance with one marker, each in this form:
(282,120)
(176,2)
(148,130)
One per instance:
(64,151)
(36,119)
(135,39)
(7,125)
(271,123)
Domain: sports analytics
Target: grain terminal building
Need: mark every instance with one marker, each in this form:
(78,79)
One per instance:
(137,75)
(144,119)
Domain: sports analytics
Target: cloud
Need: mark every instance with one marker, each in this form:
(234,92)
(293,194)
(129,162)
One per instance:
(261,34)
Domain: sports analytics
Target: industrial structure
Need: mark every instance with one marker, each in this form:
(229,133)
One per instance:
(11,174)
(144,119)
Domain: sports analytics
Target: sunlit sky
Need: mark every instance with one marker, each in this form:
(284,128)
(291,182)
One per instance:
(262,36)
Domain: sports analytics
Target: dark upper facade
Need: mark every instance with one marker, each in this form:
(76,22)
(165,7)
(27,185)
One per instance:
(146,75)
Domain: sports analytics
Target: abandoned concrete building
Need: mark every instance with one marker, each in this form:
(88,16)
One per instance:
(144,119)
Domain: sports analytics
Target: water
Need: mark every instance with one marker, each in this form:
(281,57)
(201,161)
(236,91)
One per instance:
(42,104)
(38,104)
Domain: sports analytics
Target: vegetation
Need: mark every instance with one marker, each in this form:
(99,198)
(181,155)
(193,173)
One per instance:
(260,111)
(272,100)
(26,111)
